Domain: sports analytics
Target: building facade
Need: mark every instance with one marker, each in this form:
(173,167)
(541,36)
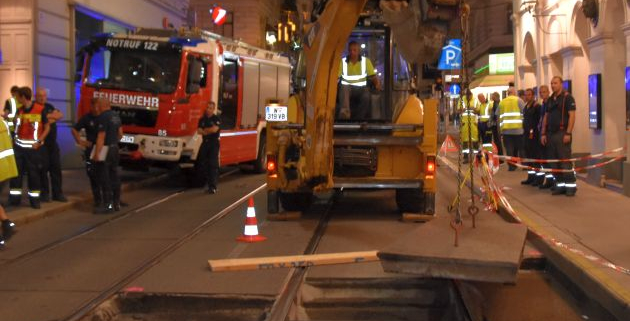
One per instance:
(559,38)
(39,40)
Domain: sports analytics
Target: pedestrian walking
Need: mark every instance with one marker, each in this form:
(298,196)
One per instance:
(545,179)
(209,127)
(51,156)
(31,129)
(106,157)
(11,107)
(8,170)
(511,124)
(557,135)
(354,72)
(531,137)
(88,123)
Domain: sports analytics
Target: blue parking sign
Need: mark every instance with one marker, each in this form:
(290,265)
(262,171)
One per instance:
(451,57)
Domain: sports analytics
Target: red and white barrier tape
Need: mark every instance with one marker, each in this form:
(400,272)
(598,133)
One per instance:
(513,159)
(556,170)
(601,261)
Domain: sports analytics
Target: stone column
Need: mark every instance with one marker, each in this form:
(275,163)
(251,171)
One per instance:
(576,68)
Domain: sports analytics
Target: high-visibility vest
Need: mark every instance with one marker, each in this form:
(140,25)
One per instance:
(485,111)
(466,104)
(8,168)
(29,126)
(13,103)
(359,80)
(510,116)
(469,119)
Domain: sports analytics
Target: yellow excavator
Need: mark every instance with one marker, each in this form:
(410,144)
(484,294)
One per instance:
(309,150)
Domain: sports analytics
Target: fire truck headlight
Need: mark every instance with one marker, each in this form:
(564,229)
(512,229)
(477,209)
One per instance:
(169,143)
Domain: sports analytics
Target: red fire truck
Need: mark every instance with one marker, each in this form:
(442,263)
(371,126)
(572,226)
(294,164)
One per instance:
(160,82)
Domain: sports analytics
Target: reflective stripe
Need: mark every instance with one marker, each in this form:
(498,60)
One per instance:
(15,192)
(531,172)
(540,174)
(509,115)
(570,185)
(6,153)
(560,184)
(251,230)
(13,108)
(33,194)
(549,176)
(354,80)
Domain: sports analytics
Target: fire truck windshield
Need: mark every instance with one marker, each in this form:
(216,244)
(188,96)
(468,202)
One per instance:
(135,70)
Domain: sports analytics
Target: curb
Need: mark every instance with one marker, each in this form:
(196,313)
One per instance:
(593,283)
(25,215)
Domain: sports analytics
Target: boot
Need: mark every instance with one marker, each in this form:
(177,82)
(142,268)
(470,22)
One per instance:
(538,180)
(547,183)
(558,189)
(529,180)
(105,209)
(8,229)
(1,242)
(571,189)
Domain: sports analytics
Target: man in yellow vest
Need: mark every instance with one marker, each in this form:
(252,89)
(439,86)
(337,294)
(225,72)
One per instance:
(8,169)
(31,129)
(354,73)
(469,133)
(485,122)
(11,107)
(511,124)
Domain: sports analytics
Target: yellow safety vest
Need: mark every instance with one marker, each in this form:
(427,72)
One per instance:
(15,105)
(8,168)
(463,104)
(485,110)
(350,76)
(510,116)
(469,118)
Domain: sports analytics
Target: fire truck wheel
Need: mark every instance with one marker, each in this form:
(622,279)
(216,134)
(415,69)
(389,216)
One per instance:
(273,205)
(260,164)
(296,201)
(410,200)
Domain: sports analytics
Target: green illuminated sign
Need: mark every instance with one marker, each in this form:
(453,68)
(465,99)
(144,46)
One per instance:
(501,64)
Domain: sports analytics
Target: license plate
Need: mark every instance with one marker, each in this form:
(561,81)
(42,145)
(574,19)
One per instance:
(127,139)
(276,113)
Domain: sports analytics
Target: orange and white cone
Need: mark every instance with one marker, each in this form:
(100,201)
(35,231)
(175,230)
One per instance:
(250,233)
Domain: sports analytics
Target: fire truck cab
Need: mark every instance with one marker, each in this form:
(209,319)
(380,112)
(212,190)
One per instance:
(161,81)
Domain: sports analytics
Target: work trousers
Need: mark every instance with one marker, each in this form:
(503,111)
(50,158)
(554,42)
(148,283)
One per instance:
(209,159)
(51,160)
(533,148)
(485,135)
(108,179)
(92,173)
(29,163)
(496,139)
(513,146)
(354,102)
(557,149)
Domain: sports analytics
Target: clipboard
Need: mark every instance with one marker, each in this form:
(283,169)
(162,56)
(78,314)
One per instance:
(102,155)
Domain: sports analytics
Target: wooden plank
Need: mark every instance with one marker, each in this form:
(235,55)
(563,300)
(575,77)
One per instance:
(272,262)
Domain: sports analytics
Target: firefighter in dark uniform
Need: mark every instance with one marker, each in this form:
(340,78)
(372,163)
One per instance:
(50,151)
(31,129)
(531,136)
(557,135)
(88,123)
(209,127)
(106,156)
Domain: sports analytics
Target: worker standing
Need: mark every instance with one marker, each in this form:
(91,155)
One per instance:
(8,169)
(557,135)
(11,106)
(354,72)
(511,124)
(88,123)
(531,137)
(51,155)
(546,180)
(469,133)
(31,129)
(209,127)
(485,122)
(106,156)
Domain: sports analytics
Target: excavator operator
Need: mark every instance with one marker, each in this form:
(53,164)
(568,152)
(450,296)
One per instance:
(354,73)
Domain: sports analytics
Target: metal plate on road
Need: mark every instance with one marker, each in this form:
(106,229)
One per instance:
(127,139)
(276,113)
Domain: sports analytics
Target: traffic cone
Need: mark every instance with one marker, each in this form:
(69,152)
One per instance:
(250,233)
